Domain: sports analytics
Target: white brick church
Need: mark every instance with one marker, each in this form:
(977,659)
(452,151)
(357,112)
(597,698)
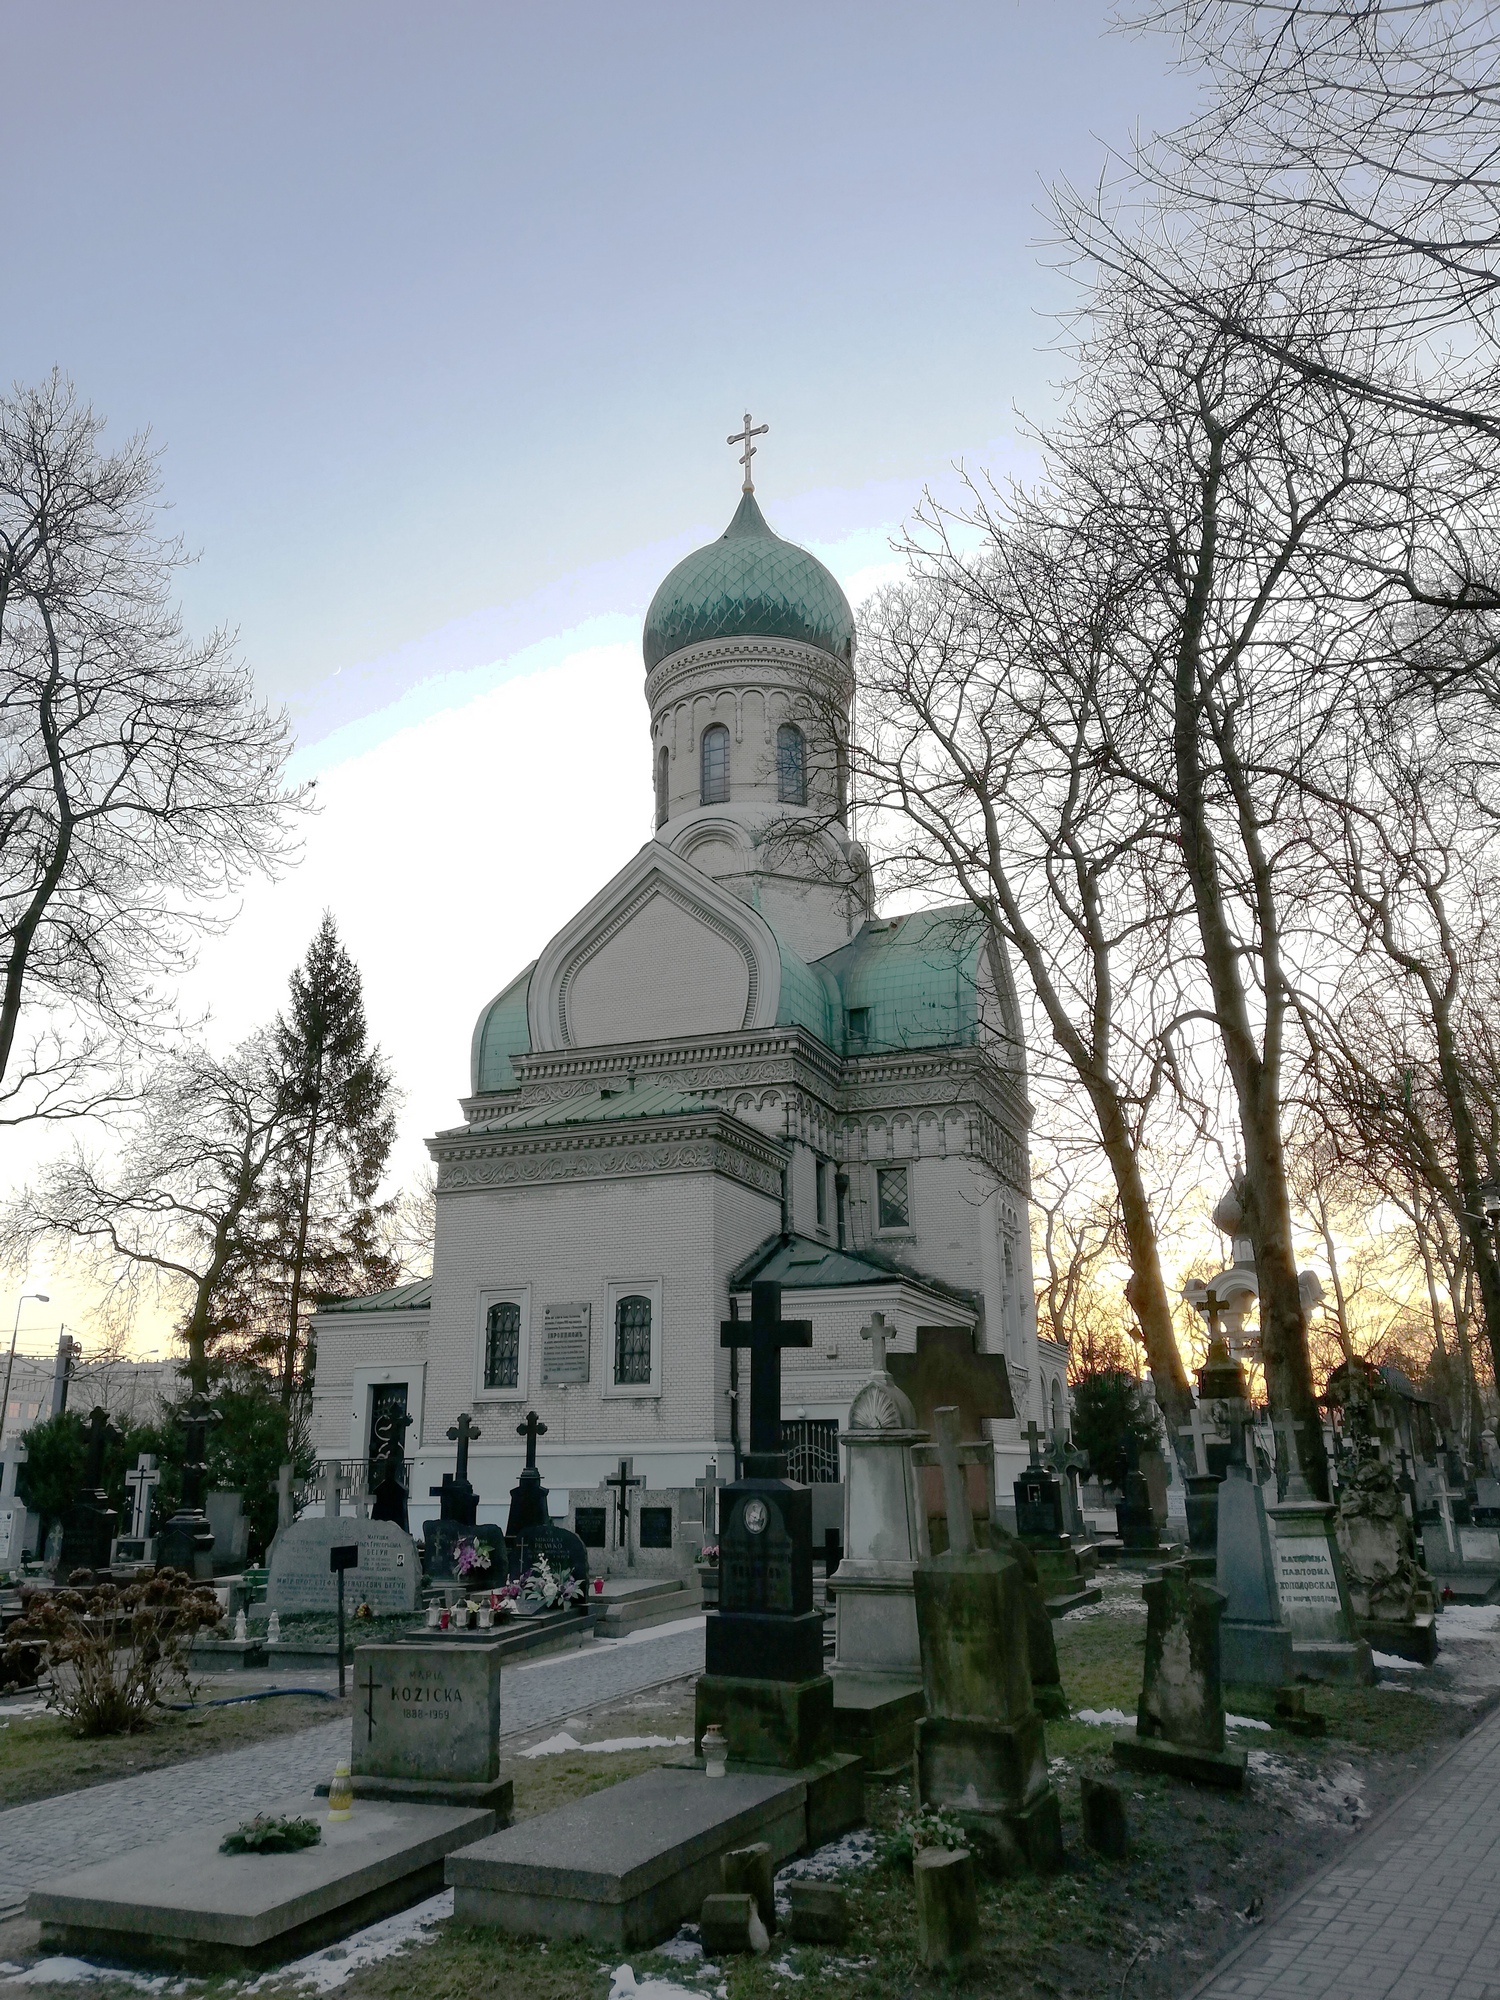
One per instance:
(725,1067)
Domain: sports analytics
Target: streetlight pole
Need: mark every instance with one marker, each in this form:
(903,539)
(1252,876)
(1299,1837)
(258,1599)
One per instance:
(41,1299)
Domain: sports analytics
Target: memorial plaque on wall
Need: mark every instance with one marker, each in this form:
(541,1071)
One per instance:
(565,1344)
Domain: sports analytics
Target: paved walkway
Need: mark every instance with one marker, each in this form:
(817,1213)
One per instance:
(1413,1913)
(55,1836)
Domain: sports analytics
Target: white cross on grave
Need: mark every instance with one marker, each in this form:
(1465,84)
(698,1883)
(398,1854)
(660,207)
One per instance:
(143,1480)
(1445,1499)
(709,1486)
(1200,1433)
(877,1333)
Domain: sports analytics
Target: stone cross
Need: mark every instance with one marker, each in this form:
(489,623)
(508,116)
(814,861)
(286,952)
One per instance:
(765,1336)
(143,1481)
(877,1333)
(1286,1428)
(463,1434)
(332,1486)
(100,1433)
(285,1511)
(1445,1498)
(621,1482)
(955,1489)
(1033,1438)
(743,437)
(709,1486)
(1200,1433)
(531,1430)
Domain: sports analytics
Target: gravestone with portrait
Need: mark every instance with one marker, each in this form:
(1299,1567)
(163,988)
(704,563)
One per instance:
(1062,1567)
(764,1683)
(1310,1583)
(427,1724)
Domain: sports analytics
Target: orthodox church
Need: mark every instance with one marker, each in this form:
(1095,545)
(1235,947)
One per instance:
(727,1066)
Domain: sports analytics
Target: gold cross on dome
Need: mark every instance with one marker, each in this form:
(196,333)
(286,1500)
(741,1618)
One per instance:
(743,437)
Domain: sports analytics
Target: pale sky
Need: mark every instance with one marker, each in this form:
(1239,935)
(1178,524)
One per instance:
(441,316)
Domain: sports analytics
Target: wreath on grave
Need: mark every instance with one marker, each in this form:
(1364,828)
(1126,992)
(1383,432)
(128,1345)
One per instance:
(271,1836)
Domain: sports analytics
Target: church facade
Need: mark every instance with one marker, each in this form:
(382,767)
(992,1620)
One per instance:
(727,1066)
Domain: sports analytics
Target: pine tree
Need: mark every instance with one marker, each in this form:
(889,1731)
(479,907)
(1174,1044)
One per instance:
(327,1219)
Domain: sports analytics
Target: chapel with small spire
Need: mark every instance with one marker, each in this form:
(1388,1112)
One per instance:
(727,1066)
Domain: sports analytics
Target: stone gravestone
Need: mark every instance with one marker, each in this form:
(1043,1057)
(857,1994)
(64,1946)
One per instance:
(91,1522)
(1063,1458)
(981,1754)
(763,1647)
(19,1527)
(1255,1646)
(876,1606)
(225,1509)
(388,1576)
(1388,1592)
(1310,1585)
(530,1531)
(1135,1516)
(1041,1523)
(1180,1721)
(427,1722)
(139,1546)
(458,1521)
(186,1543)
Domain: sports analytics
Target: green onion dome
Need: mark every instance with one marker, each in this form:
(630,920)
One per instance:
(748,584)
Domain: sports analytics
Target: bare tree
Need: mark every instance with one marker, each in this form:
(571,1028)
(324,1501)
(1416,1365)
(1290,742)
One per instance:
(981,761)
(140,781)
(178,1211)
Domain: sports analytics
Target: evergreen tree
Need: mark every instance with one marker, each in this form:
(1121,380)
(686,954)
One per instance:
(326,1219)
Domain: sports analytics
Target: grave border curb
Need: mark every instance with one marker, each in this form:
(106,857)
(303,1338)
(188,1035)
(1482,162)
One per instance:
(1484,1711)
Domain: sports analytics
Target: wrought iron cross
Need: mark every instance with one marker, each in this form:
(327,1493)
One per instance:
(622,1482)
(463,1434)
(531,1430)
(743,437)
(765,1336)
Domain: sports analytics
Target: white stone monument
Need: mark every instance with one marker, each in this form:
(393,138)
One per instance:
(1310,1583)
(876,1612)
(139,1546)
(18,1525)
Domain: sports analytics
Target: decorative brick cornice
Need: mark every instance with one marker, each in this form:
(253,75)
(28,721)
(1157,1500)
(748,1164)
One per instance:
(715,661)
(710,1142)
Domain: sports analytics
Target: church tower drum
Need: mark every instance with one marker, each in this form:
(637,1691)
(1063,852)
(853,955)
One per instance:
(749,650)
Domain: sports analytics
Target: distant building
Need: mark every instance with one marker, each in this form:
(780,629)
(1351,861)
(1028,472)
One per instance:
(132,1391)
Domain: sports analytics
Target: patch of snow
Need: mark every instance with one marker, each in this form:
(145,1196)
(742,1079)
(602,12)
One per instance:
(1470,1621)
(825,1864)
(1322,1798)
(625,1986)
(1245,1722)
(325,1970)
(685,1947)
(74,1971)
(1394,1664)
(1103,1718)
(784,1967)
(556,1746)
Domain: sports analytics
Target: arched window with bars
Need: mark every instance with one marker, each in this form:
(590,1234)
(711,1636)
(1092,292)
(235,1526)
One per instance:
(713,752)
(502,1345)
(632,1340)
(791,765)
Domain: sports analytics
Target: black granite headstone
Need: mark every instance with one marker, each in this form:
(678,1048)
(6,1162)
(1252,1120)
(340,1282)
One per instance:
(1039,1505)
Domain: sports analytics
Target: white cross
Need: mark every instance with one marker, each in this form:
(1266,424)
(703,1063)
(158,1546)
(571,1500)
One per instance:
(1200,1433)
(877,1333)
(143,1481)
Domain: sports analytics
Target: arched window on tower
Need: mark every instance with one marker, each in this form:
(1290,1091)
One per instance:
(661,786)
(714,765)
(791,765)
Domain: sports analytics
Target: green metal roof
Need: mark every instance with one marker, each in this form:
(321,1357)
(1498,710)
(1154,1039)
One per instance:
(916,977)
(502,1033)
(809,997)
(416,1297)
(611,1105)
(802,1264)
(748,584)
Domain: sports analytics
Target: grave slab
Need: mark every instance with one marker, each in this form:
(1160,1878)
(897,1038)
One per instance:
(181,1902)
(873,1719)
(625,1866)
(388,1576)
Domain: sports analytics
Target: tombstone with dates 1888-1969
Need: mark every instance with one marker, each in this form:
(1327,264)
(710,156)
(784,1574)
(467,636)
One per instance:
(764,1644)
(427,1725)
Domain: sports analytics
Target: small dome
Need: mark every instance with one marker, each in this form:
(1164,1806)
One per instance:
(748,584)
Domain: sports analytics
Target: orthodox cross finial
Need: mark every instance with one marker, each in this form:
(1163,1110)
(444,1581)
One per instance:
(743,437)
